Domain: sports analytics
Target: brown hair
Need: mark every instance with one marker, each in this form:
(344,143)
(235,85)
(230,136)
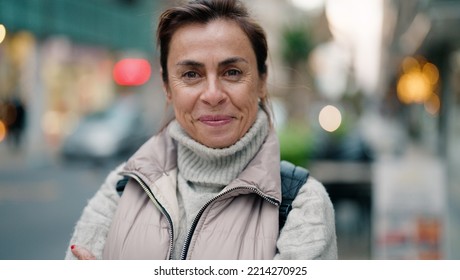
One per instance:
(205,11)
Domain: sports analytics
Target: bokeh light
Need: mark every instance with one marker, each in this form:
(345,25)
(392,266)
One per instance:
(52,123)
(131,72)
(433,104)
(409,64)
(330,118)
(418,81)
(2,33)
(2,131)
(309,5)
(431,71)
(414,87)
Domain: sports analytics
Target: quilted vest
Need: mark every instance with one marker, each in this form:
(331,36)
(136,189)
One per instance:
(241,222)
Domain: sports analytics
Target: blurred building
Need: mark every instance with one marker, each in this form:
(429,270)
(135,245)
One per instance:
(390,68)
(422,74)
(115,24)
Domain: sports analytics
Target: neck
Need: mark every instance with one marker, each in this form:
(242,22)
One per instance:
(207,166)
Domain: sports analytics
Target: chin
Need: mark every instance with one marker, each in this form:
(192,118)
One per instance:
(218,143)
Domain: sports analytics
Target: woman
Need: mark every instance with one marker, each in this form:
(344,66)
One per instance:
(208,185)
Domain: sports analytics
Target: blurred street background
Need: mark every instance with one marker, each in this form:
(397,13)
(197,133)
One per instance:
(366,95)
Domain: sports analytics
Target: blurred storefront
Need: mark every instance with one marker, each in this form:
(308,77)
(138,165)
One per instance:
(422,81)
(57,58)
(390,69)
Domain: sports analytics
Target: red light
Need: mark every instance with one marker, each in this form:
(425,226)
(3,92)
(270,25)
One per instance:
(131,72)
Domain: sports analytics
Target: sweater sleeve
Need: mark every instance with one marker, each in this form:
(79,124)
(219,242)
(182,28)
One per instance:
(93,226)
(309,232)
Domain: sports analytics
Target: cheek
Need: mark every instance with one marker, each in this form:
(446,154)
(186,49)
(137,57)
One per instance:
(247,101)
(246,95)
(182,104)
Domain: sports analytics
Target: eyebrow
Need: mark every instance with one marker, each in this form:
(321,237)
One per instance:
(227,61)
(232,60)
(190,63)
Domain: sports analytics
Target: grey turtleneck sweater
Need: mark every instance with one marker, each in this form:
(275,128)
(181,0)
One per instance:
(204,172)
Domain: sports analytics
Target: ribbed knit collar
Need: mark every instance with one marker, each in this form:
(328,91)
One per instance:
(202,165)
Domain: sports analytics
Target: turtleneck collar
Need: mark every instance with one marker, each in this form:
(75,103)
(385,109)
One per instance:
(202,165)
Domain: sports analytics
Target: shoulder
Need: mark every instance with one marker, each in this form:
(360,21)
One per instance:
(313,202)
(309,232)
(106,198)
(313,189)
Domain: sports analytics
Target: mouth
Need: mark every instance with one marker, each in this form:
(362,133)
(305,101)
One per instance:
(215,120)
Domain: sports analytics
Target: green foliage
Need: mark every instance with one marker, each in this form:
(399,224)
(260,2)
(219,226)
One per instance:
(295,143)
(297,44)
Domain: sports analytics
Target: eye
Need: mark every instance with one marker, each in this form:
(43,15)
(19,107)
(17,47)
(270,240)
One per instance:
(233,72)
(190,75)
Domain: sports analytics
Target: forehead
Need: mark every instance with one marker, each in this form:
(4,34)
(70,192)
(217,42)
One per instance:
(216,35)
(216,25)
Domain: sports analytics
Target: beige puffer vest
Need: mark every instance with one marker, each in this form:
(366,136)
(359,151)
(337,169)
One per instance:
(240,223)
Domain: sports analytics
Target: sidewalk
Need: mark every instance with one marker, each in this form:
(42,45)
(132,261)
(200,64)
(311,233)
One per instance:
(14,160)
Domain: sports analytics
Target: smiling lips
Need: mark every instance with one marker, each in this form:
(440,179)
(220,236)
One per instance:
(215,120)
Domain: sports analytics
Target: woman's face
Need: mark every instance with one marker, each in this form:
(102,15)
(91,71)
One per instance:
(213,82)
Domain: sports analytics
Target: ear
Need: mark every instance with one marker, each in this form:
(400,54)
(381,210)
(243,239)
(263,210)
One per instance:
(262,88)
(166,88)
(167,91)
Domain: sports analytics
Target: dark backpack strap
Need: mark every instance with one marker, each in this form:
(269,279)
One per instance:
(292,179)
(121,184)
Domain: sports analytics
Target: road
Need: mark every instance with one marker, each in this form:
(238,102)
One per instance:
(40,203)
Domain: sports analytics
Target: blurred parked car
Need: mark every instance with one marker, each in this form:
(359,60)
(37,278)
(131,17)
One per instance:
(118,130)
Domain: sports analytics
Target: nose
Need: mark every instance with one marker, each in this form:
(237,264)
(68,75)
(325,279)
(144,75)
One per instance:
(213,94)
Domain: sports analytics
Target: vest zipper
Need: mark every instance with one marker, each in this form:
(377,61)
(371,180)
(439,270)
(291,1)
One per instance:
(188,239)
(157,204)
